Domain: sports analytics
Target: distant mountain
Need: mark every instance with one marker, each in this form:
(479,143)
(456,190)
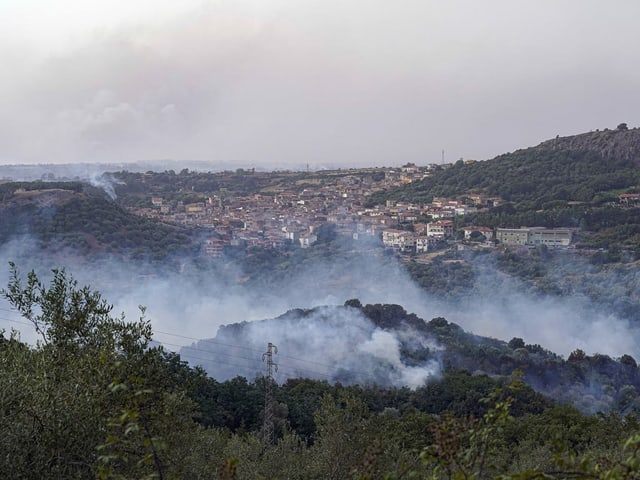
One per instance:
(384,345)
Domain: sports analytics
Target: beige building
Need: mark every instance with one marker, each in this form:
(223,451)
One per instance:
(513,236)
(552,237)
(213,247)
(422,244)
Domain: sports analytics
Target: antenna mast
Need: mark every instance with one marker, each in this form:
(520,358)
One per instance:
(267,426)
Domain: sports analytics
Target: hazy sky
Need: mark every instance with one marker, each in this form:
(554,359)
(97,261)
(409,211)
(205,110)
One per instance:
(273,82)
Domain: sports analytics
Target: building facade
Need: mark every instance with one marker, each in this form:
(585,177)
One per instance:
(551,237)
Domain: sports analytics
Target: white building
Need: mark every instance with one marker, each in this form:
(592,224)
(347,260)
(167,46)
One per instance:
(440,229)
(398,239)
(422,244)
(486,231)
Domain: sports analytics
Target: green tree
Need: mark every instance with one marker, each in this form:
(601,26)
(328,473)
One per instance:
(91,381)
(341,435)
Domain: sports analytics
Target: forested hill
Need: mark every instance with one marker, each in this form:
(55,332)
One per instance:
(94,399)
(590,167)
(72,217)
(622,143)
(386,346)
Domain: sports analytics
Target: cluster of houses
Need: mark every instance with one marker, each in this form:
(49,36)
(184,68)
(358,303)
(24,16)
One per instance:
(629,199)
(295,215)
(422,240)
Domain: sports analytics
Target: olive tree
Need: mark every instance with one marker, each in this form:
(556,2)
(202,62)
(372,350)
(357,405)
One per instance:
(90,398)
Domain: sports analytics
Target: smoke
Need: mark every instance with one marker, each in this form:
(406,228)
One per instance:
(192,303)
(106,182)
(94,174)
(315,80)
(504,307)
(327,343)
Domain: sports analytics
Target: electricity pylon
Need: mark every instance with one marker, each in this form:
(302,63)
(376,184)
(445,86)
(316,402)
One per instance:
(267,425)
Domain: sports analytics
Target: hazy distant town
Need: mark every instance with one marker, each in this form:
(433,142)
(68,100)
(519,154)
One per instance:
(294,213)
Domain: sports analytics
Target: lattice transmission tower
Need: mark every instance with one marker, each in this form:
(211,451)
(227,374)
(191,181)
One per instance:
(267,425)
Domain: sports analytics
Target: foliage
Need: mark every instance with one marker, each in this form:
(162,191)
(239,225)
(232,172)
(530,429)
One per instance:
(539,174)
(8,189)
(442,277)
(463,446)
(59,398)
(91,225)
(568,182)
(133,189)
(93,400)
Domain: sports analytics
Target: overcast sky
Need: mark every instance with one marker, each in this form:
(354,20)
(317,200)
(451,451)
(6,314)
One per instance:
(290,82)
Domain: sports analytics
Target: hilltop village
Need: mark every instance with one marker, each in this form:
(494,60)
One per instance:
(295,212)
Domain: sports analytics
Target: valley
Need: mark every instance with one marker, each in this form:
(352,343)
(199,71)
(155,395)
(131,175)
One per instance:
(398,298)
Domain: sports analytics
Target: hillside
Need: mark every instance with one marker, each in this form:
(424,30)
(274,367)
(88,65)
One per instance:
(77,219)
(575,168)
(568,181)
(383,345)
(621,143)
(95,399)
(135,189)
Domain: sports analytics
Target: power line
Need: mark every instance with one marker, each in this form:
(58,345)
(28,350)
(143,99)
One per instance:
(292,369)
(307,361)
(205,351)
(215,342)
(297,370)
(16,321)
(287,367)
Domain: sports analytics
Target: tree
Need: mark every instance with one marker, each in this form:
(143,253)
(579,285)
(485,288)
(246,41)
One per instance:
(622,126)
(577,355)
(628,360)
(341,426)
(91,398)
(477,236)
(354,303)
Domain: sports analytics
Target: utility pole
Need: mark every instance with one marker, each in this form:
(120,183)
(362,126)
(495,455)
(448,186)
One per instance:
(267,426)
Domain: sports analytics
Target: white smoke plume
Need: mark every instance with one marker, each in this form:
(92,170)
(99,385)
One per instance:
(192,304)
(106,182)
(327,343)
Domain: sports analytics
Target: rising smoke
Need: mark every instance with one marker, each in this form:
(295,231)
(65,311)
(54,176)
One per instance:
(193,303)
(105,182)
(327,343)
